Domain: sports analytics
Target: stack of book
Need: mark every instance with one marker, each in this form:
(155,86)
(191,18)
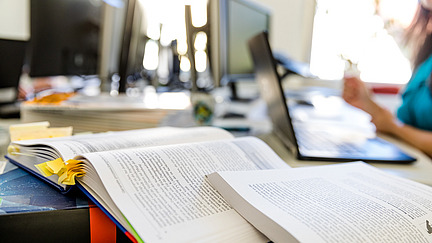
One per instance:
(204,185)
(33,211)
(106,113)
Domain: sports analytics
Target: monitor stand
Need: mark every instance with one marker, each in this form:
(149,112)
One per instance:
(235,96)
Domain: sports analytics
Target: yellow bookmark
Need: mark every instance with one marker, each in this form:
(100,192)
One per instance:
(13,150)
(66,171)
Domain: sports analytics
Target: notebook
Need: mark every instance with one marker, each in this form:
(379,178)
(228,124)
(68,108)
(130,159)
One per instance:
(307,141)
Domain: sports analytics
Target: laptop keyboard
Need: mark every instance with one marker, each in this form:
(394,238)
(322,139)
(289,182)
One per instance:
(320,141)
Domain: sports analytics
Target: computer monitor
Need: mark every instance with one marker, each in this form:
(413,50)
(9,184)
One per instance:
(232,24)
(64,37)
(132,44)
(11,64)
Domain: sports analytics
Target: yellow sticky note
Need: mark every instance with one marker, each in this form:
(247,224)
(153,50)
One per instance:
(41,133)
(29,126)
(43,168)
(68,178)
(37,130)
(74,168)
(72,162)
(55,165)
(12,149)
(62,178)
(66,171)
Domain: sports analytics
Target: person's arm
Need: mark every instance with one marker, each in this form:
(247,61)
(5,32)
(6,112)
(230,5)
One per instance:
(356,94)
(386,122)
(418,138)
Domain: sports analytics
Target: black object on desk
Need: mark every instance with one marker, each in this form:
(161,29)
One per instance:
(33,211)
(10,110)
(11,64)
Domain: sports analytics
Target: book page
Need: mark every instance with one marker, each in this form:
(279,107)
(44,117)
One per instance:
(351,202)
(163,193)
(69,147)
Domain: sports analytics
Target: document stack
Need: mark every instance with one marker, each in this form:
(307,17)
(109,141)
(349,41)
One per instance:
(106,113)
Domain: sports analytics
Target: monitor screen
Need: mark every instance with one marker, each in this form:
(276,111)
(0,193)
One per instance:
(11,64)
(132,44)
(64,37)
(244,21)
(233,23)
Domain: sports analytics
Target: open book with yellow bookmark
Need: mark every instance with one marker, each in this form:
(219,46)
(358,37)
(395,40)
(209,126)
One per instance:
(152,182)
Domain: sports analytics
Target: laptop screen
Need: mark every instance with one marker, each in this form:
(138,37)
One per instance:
(345,147)
(271,89)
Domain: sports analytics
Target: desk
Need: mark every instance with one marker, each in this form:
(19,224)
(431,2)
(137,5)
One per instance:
(4,135)
(420,171)
(256,118)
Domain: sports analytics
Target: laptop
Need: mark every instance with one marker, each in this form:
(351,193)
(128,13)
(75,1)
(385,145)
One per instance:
(322,144)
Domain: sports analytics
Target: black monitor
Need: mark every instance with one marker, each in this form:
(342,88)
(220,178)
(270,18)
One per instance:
(64,37)
(132,44)
(233,23)
(11,65)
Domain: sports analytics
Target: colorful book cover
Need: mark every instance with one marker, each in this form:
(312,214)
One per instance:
(21,192)
(34,211)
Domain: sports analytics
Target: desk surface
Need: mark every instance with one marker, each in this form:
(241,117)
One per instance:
(4,135)
(420,171)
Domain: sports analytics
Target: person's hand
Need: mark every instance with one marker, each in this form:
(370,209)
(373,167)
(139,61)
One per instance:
(385,121)
(356,94)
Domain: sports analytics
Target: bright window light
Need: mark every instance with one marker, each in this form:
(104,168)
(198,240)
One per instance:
(200,61)
(153,29)
(185,64)
(365,32)
(151,55)
(199,13)
(200,41)
(167,34)
(182,46)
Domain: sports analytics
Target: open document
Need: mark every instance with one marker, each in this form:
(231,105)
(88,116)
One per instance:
(160,193)
(28,153)
(352,202)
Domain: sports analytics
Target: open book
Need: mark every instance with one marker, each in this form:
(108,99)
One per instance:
(28,153)
(159,193)
(352,202)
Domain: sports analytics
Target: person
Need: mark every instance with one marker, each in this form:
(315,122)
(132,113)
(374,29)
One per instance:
(413,120)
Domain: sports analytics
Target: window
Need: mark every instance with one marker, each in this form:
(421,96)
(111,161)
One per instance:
(368,33)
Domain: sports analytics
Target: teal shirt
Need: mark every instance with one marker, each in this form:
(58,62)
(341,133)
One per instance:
(416,108)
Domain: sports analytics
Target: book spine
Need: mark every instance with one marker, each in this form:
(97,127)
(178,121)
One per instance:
(121,227)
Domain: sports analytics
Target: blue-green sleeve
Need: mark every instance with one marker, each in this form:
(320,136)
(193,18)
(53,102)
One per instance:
(416,108)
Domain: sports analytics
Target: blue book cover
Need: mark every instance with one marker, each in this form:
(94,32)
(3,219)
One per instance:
(32,210)
(21,192)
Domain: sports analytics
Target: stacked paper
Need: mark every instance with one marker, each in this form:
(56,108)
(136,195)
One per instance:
(106,113)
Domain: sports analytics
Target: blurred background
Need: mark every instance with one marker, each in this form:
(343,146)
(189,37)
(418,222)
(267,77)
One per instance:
(126,46)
